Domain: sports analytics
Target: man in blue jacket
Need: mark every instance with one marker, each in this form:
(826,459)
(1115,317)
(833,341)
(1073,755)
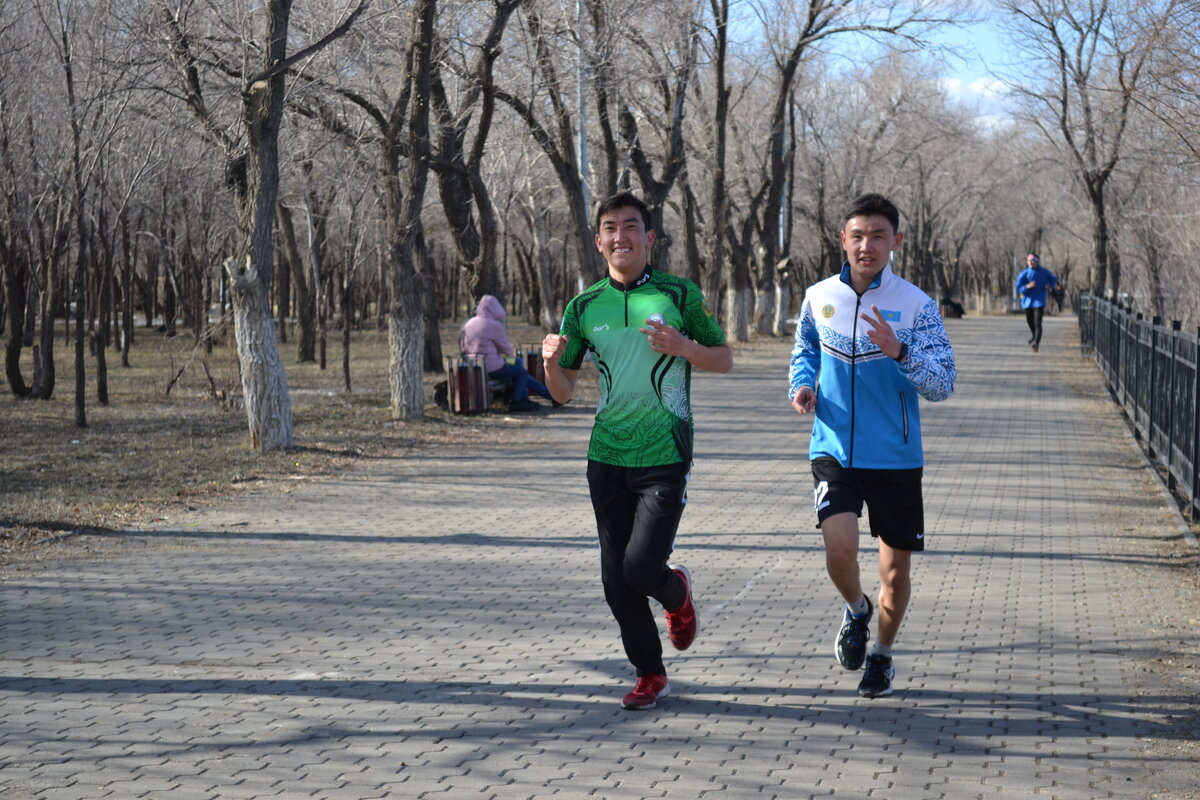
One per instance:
(868,343)
(1032,284)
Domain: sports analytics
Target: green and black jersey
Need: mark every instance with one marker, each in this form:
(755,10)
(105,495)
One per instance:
(644,417)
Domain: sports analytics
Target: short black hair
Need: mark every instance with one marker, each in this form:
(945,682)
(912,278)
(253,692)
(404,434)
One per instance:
(623,200)
(870,205)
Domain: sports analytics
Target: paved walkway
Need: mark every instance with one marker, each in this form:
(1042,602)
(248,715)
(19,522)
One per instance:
(434,627)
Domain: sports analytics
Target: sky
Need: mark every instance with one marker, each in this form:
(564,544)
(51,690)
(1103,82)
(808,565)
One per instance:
(980,52)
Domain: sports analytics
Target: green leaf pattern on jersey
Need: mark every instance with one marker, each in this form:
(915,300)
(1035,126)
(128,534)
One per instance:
(674,392)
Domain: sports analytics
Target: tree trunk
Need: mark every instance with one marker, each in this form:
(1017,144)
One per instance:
(694,268)
(406,351)
(782,301)
(16,295)
(347,301)
(1099,265)
(739,310)
(306,293)
(104,308)
(717,276)
(150,291)
(103,335)
(79,293)
(127,260)
(264,381)
(433,335)
(406,320)
(44,373)
(170,304)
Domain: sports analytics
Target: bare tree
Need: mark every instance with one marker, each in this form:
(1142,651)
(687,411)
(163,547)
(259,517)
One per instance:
(466,199)
(1173,96)
(402,206)
(252,166)
(676,53)
(813,22)
(1092,59)
(545,109)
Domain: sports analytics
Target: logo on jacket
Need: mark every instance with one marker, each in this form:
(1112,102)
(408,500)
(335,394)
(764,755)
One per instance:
(827,312)
(600,328)
(889,316)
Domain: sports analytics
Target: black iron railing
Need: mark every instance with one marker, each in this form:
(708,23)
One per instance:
(1151,371)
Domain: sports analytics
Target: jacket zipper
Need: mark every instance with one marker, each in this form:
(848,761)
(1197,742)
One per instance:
(854,373)
(904,416)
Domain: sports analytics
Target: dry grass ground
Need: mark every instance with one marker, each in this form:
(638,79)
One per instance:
(149,448)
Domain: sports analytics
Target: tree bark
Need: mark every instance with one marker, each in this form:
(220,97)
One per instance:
(264,381)
(406,320)
(1099,264)
(303,280)
(719,216)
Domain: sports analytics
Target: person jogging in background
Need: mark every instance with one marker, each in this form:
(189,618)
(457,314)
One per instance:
(1032,284)
(867,343)
(645,330)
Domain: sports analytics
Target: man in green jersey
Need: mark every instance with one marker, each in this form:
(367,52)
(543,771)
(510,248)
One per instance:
(645,330)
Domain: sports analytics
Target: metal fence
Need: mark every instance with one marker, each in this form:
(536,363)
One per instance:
(1151,372)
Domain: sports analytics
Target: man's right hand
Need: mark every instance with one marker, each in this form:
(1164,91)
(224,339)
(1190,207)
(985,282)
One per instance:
(560,381)
(553,347)
(805,400)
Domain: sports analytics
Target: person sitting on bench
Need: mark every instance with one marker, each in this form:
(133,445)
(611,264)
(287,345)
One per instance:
(485,336)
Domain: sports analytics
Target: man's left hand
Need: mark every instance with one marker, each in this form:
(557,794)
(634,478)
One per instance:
(665,339)
(881,333)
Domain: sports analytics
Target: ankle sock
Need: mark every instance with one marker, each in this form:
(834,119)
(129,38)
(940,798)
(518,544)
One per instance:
(860,608)
(881,649)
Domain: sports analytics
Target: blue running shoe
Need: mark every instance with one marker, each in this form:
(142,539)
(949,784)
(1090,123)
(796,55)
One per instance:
(877,679)
(852,639)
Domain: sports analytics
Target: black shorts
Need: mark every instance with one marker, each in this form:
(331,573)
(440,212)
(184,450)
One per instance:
(893,498)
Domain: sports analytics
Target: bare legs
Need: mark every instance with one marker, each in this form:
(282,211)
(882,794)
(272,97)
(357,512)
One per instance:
(841,560)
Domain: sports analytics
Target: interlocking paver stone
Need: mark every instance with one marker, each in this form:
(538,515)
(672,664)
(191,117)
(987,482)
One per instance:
(432,626)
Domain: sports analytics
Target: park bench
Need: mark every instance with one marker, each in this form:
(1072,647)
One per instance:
(469,390)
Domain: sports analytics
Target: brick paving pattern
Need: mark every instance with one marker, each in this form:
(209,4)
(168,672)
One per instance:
(433,627)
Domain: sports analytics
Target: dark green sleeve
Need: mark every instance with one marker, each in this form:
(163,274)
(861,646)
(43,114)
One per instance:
(572,357)
(698,320)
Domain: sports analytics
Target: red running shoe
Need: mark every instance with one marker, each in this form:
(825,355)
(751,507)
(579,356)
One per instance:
(645,694)
(684,622)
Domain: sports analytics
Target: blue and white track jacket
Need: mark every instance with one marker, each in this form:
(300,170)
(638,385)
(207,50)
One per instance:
(866,413)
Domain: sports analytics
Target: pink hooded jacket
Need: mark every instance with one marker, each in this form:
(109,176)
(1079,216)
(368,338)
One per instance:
(484,334)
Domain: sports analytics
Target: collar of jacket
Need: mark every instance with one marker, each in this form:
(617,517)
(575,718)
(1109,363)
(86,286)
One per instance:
(887,268)
(625,287)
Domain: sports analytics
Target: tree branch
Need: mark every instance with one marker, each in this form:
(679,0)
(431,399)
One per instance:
(287,63)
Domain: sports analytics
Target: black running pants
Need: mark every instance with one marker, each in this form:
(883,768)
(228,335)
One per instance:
(1033,316)
(637,513)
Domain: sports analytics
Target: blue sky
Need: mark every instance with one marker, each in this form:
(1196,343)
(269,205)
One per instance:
(980,53)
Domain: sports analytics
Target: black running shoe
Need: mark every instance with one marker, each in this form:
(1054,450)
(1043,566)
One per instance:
(877,679)
(851,646)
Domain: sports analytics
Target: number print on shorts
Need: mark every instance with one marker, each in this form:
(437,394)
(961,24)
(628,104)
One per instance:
(819,493)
